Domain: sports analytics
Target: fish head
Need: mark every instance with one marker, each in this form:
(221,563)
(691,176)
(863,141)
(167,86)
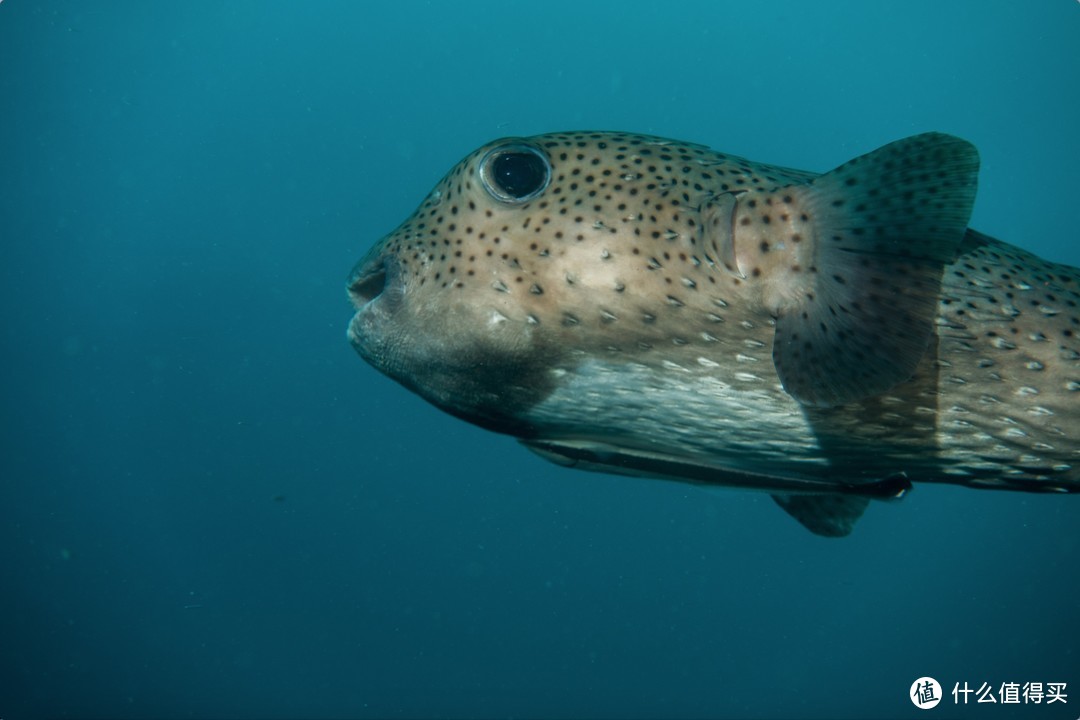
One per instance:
(531,254)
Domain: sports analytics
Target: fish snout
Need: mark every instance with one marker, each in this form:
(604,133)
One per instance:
(375,280)
(376,289)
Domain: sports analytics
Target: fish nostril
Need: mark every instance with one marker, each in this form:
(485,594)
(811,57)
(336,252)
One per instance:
(369,284)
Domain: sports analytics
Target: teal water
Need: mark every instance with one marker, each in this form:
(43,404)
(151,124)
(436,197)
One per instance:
(211,508)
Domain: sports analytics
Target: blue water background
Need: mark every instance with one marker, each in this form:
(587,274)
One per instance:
(210,507)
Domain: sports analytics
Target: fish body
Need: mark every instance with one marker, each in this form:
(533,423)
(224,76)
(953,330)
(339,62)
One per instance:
(636,305)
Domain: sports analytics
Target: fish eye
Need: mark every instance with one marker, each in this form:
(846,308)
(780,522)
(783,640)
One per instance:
(515,173)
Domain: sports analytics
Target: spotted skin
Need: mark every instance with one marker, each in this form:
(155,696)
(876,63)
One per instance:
(637,316)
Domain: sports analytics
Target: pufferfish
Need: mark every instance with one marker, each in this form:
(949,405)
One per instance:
(641,306)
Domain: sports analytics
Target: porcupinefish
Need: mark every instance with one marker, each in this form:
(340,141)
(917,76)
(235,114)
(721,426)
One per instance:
(641,306)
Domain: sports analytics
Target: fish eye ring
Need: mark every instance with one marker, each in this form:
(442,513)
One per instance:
(515,173)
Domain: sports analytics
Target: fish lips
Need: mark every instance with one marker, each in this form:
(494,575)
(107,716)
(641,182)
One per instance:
(376,290)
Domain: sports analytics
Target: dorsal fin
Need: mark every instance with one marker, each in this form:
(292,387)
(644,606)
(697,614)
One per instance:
(883,227)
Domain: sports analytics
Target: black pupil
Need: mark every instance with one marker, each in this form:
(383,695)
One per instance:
(519,173)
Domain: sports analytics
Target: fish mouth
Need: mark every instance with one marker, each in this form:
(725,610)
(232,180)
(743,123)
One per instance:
(375,289)
(368,281)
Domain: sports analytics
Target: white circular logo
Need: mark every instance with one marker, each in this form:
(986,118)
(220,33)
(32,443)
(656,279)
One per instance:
(925,693)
